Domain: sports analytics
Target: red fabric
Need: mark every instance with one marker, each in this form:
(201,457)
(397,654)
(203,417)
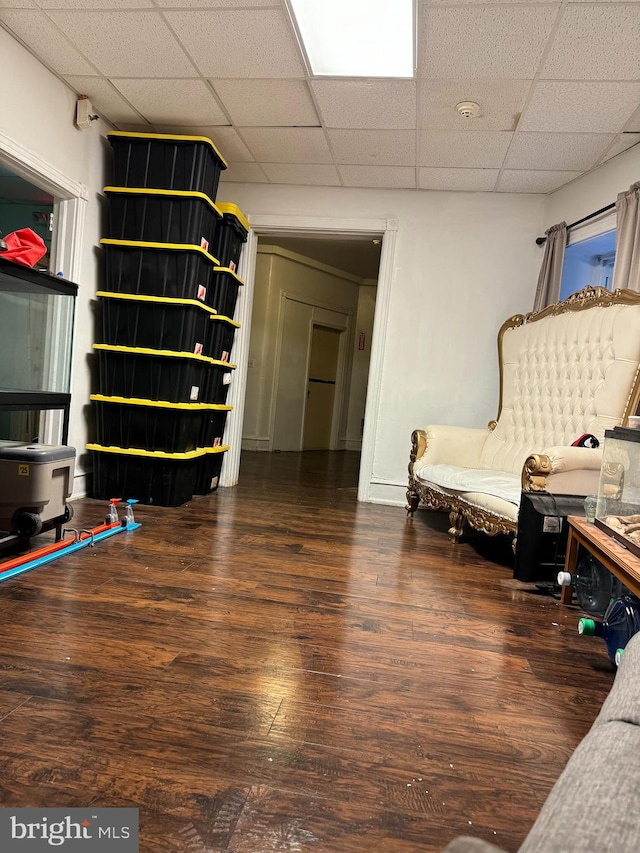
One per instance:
(24,247)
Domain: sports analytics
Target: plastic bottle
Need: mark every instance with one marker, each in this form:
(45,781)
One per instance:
(595,586)
(620,623)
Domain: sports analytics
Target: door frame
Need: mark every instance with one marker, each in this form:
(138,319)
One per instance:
(69,210)
(272,225)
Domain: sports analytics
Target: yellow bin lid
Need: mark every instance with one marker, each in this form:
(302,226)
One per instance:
(144,244)
(229,209)
(167,137)
(167,193)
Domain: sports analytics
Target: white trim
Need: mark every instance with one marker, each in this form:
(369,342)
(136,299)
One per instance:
(30,166)
(593,228)
(237,393)
(378,341)
(282,225)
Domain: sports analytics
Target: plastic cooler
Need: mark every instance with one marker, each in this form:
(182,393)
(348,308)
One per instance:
(150,374)
(208,471)
(223,291)
(153,477)
(174,270)
(166,161)
(222,331)
(163,216)
(231,234)
(157,424)
(218,380)
(35,482)
(156,322)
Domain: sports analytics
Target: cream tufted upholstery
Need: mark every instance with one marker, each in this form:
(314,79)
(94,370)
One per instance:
(570,369)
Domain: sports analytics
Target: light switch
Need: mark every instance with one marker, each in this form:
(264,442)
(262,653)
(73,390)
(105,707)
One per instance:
(251,363)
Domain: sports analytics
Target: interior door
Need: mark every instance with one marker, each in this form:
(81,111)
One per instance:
(321,387)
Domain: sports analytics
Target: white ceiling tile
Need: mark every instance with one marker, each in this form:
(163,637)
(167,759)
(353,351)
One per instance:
(300,173)
(465,180)
(557,151)
(621,143)
(480,149)
(267,103)
(176,102)
(287,144)
(486,42)
(44,40)
(374,147)
(225,139)
(379,104)
(242,43)
(95,4)
(244,173)
(596,43)
(219,4)
(399,177)
(593,107)
(17,4)
(513,181)
(126,44)
(106,100)
(500,101)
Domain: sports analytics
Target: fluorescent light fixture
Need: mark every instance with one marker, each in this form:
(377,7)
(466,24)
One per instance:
(357,38)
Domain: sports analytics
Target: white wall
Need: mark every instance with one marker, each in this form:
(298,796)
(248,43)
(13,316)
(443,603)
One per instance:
(595,190)
(464,263)
(360,369)
(37,112)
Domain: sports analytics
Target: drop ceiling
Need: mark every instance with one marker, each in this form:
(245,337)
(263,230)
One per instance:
(558,84)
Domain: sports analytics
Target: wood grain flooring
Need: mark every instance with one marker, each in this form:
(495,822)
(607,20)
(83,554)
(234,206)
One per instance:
(276,668)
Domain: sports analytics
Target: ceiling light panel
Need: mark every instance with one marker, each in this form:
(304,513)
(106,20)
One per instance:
(357,38)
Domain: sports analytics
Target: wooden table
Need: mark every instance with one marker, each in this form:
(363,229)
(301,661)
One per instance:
(613,556)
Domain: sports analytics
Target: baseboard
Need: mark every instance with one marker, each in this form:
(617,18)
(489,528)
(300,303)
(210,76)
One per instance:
(351,444)
(80,486)
(386,493)
(263,444)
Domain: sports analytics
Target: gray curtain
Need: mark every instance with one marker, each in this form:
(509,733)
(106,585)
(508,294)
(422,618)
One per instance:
(548,290)
(626,269)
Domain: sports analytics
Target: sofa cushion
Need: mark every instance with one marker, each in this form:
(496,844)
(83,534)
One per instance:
(499,484)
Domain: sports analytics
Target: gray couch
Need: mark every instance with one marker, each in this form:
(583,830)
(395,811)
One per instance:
(594,807)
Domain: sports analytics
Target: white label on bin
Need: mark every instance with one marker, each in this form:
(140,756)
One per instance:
(202,292)
(195,391)
(552,524)
(232,266)
(214,482)
(198,349)
(217,441)
(226,379)
(204,243)
(225,356)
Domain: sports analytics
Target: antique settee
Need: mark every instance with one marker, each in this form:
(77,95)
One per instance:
(569,370)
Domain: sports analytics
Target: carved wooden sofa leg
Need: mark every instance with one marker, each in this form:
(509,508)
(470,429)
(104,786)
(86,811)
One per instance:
(456,520)
(413,500)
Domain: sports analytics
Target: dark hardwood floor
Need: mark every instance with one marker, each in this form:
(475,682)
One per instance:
(276,667)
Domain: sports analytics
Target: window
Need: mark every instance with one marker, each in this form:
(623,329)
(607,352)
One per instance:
(588,262)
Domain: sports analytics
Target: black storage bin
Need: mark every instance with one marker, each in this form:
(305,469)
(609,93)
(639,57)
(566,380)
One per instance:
(156,424)
(222,331)
(214,419)
(219,378)
(172,270)
(149,374)
(231,234)
(166,161)
(155,322)
(163,216)
(223,291)
(164,479)
(208,472)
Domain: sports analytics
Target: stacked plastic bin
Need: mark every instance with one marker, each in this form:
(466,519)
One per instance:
(167,321)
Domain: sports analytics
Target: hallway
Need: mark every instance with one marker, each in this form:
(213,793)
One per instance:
(276,667)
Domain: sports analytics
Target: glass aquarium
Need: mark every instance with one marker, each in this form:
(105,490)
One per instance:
(618,507)
(36,338)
